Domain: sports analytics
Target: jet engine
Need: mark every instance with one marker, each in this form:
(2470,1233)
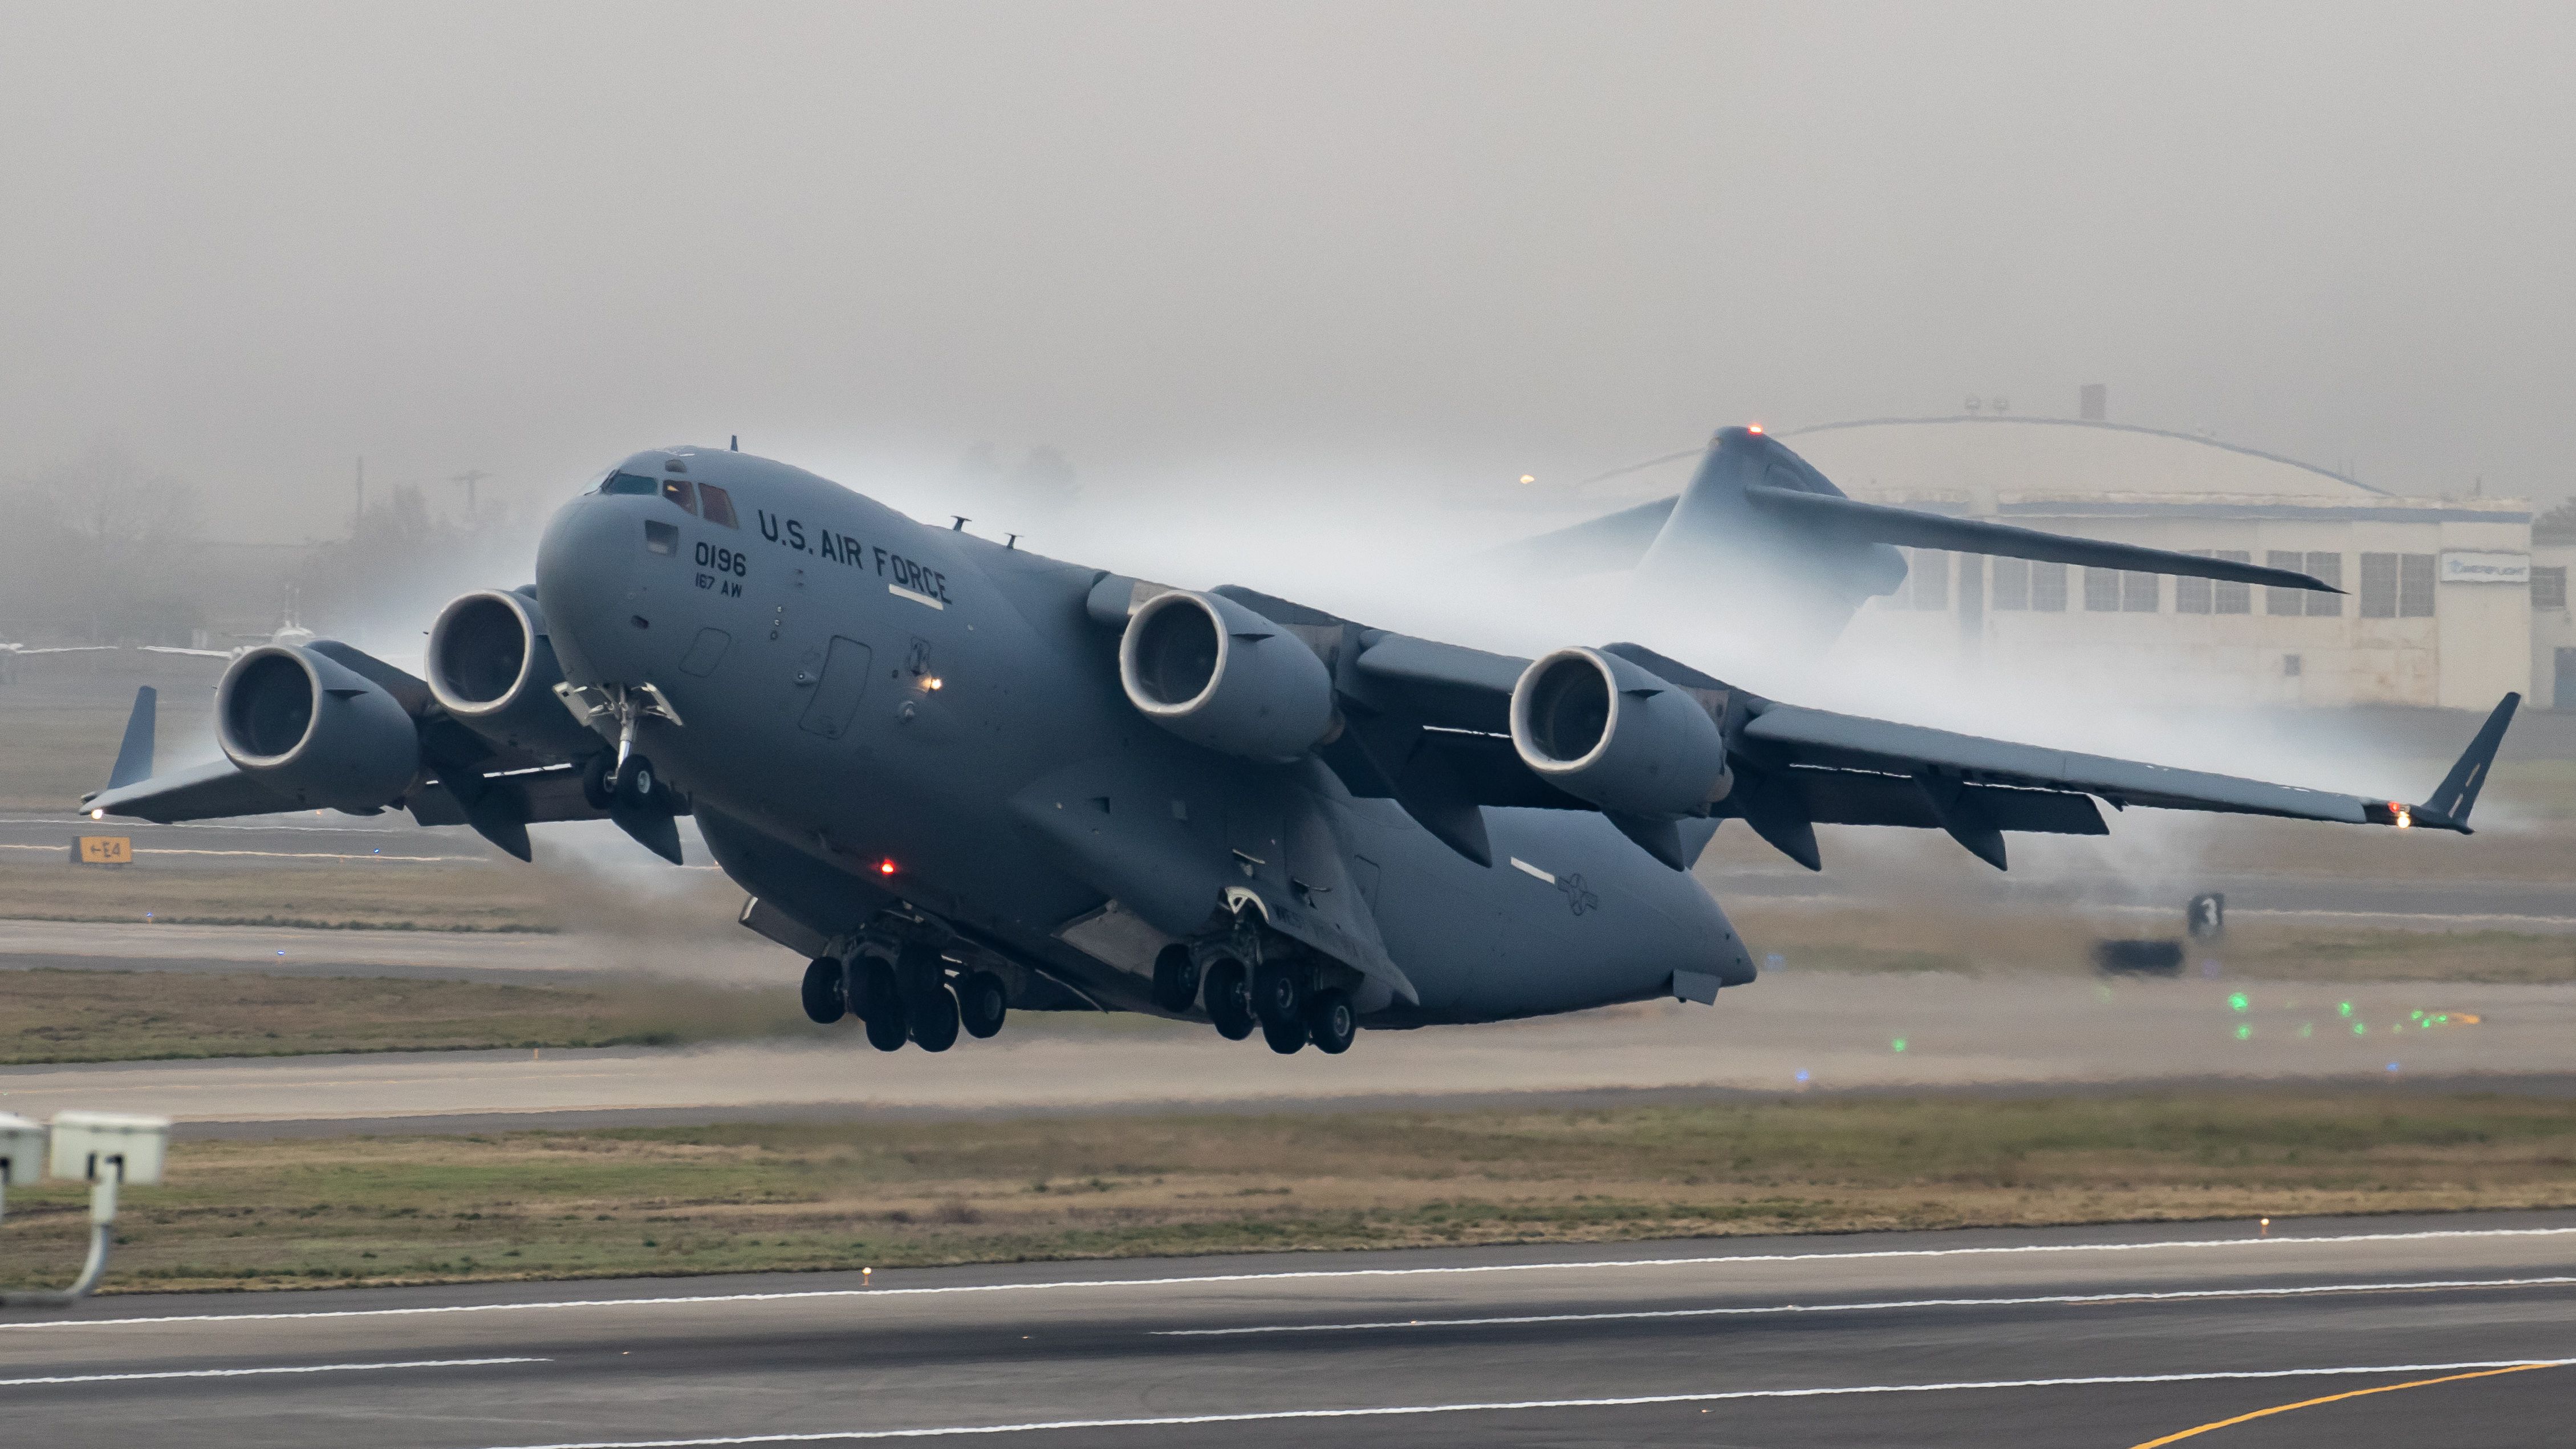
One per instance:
(1607,731)
(315,732)
(493,668)
(1217,674)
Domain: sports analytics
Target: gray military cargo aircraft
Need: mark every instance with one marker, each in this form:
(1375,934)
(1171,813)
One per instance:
(960,777)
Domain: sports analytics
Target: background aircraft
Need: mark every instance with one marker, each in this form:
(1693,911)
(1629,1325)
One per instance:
(289,632)
(1760,538)
(11,654)
(961,777)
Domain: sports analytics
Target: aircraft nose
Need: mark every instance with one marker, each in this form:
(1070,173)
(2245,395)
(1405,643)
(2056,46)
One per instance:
(590,582)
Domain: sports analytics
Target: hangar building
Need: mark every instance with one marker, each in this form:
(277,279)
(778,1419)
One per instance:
(2442,604)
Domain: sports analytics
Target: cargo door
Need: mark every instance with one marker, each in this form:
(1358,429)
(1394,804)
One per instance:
(837,689)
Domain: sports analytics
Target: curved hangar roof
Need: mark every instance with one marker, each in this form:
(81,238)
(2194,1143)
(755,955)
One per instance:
(2053,458)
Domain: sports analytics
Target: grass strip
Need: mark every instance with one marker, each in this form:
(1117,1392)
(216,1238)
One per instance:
(53,1015)
(540,1204)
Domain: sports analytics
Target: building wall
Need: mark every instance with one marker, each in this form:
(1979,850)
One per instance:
(2372,645)
(2553,632)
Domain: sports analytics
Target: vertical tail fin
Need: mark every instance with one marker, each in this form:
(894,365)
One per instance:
(134,757)
(2458,792)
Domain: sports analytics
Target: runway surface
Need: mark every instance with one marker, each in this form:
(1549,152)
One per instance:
(1841,1031)
(2120,1336)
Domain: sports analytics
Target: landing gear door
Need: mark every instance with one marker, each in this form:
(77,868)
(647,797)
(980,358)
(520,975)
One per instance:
(836,694)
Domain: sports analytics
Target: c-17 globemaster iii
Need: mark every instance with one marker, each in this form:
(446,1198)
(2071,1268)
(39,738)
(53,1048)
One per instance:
(959,777)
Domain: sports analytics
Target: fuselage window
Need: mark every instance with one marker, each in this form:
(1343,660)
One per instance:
(630,483)
(719,505)
(682,492)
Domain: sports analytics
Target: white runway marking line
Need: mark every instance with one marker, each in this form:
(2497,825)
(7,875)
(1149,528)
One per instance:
(1299,1275)
(1508,1406)
(264,854)
(244,1373)
(2168,1296)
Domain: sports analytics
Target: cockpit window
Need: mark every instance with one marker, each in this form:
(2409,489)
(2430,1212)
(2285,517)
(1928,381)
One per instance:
(630,483)
(719,505)
(682,492)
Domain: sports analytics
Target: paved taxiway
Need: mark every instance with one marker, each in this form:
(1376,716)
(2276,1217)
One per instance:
(2104,1336)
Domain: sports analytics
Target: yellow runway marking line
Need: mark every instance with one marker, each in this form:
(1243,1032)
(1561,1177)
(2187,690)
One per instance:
(2520,1368)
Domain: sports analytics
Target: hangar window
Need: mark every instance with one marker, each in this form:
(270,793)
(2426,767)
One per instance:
(2141,593)
(631,483)
(2048,588)
(2292,602)
(2549,588)
(2415,586)
(2379,586)
(2102,590)
(719,505)
(2191,595)
(1931,579)
(2012,583)
(2325,568)
(2227,597)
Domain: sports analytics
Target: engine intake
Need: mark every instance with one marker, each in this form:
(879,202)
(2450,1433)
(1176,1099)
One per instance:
(1621,737)
(492,667)
(315,732)
(1219,675)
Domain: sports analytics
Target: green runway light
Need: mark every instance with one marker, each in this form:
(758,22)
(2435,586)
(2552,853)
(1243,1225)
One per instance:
(2343,1008)
(2361,1028)
(2307,1029)
(1897,1045)
(2236,1001)
(2244,1032)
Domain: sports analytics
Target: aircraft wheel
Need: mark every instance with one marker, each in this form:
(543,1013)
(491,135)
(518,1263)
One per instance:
(933,1019)
(824,1001)
(1285,1038)
(982,1001)
(1331,1021)
(1229,998)
(1278,993)
(869,987)
(638,787)
(1176,979)
(596,791)
(886,1029)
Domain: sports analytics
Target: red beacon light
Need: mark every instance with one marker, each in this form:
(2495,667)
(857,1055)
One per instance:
(2405,814)
(1754,428)
(886,866)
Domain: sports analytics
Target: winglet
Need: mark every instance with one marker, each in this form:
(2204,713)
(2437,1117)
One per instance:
(134,757)
(2449,805)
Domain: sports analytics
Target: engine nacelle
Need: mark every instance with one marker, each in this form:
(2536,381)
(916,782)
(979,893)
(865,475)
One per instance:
(315,732)
(493,668)
(1621,737)
(1217,674)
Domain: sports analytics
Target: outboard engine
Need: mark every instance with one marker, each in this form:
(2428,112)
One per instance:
(1219,675)
(1606,731)
(493,668)
(315,732)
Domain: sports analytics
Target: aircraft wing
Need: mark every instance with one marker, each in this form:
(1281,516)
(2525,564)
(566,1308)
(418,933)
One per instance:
(65,649)
(200,792)
(192,653)
(1828,515)
(1429,727)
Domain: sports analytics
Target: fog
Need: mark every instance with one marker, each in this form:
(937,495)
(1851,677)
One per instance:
(1230,253)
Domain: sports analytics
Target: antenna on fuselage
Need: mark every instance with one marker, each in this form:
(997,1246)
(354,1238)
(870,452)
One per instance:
(960,525)
(736,445)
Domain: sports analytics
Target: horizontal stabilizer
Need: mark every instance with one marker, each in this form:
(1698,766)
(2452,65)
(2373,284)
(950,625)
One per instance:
(200,792)
(1825,515)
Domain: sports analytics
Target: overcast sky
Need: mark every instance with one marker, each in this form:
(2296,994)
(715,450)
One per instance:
(1249,243)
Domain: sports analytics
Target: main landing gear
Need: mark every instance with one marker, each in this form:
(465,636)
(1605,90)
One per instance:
(911,998)
(1283,997)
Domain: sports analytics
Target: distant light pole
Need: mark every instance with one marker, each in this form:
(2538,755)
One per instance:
(469,478)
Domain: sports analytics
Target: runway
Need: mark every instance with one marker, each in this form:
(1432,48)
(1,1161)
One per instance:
(2119,1336)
